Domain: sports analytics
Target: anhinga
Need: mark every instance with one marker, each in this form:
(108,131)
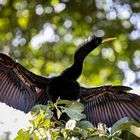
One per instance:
(22,89)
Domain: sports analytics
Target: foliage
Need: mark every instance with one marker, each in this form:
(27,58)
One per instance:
(46,125)
(43,36)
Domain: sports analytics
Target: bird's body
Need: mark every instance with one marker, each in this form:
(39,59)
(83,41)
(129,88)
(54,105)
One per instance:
(22,89)
(63,87)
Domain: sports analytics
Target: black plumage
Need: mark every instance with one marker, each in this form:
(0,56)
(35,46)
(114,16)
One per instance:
(22,89)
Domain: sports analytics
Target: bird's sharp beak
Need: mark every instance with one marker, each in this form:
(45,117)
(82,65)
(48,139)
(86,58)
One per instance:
(108,39)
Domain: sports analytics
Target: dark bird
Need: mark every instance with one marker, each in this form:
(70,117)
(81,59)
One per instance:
(22,89)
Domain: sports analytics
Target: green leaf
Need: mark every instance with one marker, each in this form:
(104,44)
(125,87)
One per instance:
(37,107)
(74,110)
(127,124)
(66,102)
(46,123)
(85,124)
(49,113)
(126,135)
(35,137)
(23,135)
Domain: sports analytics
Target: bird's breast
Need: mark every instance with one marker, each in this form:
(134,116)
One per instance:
(64,88)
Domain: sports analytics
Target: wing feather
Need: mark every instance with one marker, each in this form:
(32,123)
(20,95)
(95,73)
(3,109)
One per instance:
(108,104)
(19,87)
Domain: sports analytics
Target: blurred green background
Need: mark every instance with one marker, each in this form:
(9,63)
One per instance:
(43,35)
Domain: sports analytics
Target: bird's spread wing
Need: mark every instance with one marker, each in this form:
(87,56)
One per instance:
(108,104)
(19,87)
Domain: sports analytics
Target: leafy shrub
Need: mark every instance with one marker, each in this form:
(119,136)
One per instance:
(46,125)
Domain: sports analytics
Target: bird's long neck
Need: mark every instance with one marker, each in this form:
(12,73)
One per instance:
(75,70)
